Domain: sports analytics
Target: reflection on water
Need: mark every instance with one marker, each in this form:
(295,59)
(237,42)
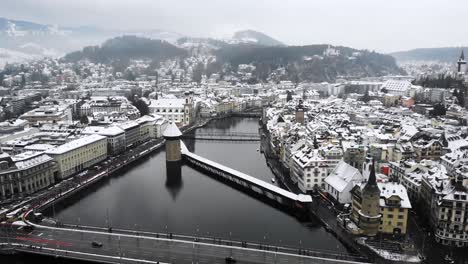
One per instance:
(155,196)
(174,178)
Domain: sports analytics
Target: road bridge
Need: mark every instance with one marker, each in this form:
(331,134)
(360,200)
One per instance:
(127,246)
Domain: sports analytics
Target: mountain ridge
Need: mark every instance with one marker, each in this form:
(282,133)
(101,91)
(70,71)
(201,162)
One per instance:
(440,54)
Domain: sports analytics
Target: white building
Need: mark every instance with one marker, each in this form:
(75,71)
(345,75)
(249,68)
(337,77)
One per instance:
(340,182)
(179,111)
(309,168)
(116,142)
(397,87)
(79,154)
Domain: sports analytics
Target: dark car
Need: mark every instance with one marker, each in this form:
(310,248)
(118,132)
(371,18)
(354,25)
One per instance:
(96,244)
(230,259)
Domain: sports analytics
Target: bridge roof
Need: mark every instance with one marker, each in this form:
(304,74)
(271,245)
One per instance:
(297,197)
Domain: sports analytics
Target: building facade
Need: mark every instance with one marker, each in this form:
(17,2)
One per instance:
(26,173)
(79,154)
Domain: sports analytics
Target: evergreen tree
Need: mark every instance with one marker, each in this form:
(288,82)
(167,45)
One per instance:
(316,145)
(142,107)
(439,110)
(461,98)
(366,98)
(84,119)
(288,96)
(198,72)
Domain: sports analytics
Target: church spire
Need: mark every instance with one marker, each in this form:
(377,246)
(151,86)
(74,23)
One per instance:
(371,185)
(372,179)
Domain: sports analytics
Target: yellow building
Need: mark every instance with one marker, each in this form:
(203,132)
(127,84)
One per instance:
(79,154)
(394,206)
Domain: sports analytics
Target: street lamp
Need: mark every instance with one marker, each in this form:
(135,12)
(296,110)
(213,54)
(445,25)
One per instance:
(230,241)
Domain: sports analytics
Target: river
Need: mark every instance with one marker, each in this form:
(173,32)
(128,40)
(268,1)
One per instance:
(141,198)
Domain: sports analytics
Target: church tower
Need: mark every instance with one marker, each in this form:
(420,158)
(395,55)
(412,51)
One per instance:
(300,111)
(188,108)
(366,167)
(461,63)
(369,215)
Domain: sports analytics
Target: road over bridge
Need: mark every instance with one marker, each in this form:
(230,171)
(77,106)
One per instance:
(122,246)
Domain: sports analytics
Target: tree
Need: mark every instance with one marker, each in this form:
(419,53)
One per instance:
(316,144)
(288,96)
(84,119)
(142,107)
(23,80)
(439,110)
(366,98)
(461,98)
(198,72)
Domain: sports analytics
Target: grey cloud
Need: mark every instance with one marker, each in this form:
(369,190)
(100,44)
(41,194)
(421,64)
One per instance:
(373,24)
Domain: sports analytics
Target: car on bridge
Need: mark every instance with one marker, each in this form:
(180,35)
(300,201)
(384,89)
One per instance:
(230,259)
(96,244)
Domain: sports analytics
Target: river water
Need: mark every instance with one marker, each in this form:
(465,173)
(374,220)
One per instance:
(142,198)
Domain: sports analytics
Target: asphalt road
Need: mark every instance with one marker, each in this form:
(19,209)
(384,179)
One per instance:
(134,249)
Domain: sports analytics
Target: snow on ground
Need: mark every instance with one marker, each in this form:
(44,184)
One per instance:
(10,56)
(390,255)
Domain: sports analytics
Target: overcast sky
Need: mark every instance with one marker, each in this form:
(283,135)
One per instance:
(383,25)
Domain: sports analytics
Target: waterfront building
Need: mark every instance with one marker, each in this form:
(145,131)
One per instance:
(79,154)
(177,110)
(340,182)
(132,132)
(115,135)
(366,205)
(26,173)
(146,124)
(309,168)
(170,109)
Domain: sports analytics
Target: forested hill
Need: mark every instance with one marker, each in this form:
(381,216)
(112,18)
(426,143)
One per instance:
(126,48)
(309,63)
(316,63)
(449,54)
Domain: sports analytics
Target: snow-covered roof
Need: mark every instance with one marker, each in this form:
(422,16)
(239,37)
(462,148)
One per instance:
(342,175)
(78,143)
(167,103)
(172,131)
(109,131)
(297,197)
(389,189)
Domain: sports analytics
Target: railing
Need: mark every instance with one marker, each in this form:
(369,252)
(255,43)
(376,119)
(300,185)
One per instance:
(230,136)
